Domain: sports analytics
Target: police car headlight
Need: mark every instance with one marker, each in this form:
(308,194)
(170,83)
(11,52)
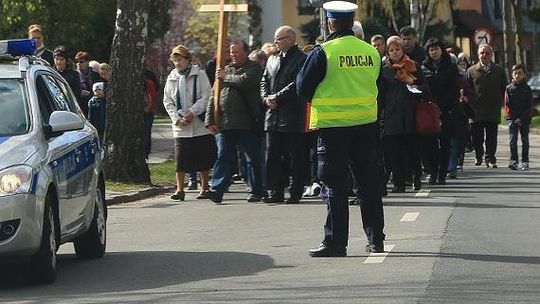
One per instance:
(17,179)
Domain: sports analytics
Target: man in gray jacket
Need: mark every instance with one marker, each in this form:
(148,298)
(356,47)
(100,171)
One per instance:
(285,118)
(239,109)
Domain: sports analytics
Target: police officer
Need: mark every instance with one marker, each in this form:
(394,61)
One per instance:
(340,79)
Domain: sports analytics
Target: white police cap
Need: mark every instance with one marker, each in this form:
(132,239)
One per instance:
(340,9)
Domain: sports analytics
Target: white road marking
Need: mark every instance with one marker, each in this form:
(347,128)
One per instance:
(410,217)
(377,258)
(422,193)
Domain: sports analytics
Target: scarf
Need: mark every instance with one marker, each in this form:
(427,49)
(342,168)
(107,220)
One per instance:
(404,70)
(181,91)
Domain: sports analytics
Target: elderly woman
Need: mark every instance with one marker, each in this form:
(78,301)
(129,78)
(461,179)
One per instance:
(401,77)
(185,98)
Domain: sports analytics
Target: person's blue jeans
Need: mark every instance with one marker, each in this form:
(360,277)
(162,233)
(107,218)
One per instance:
(455,153)
(523,130)
(193,177)
(249,143)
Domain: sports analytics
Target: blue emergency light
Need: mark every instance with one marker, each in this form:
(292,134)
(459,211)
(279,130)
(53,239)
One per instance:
(18,47)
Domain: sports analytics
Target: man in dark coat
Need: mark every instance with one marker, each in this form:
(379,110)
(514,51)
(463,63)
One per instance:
(488,81)
(285,117)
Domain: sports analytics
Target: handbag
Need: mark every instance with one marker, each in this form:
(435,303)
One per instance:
(428,118)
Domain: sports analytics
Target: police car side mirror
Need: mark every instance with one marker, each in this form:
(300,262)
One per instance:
(63,121)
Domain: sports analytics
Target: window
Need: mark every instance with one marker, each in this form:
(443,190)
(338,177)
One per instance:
(58,96)
(70,97)
(14,117)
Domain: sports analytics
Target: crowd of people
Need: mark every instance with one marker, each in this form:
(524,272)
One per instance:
(89,79)
(338,120)
(262,126)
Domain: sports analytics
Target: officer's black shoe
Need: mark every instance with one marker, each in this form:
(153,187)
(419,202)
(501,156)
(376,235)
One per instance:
(478,162)
(327,251)
(441,181)
(375,247)
(432,180)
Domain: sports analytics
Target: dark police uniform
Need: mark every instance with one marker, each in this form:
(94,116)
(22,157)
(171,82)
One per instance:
(339,78)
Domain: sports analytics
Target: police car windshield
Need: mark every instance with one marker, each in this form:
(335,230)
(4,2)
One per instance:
(14,118)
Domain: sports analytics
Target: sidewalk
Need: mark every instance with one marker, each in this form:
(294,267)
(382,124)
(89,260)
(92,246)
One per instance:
(162,144)
(162,151)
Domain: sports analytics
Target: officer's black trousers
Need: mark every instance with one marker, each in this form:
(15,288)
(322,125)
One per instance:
(337,149)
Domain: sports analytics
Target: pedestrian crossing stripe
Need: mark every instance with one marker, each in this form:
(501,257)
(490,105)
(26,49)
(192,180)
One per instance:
(377,258)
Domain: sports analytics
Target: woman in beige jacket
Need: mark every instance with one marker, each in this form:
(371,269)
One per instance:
(186,94)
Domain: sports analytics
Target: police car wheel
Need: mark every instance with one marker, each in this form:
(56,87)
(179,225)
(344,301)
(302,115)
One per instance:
(92,243)
(42,266)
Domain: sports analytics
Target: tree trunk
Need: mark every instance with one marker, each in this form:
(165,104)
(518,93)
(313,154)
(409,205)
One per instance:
(507,33)
(415,14)
(125,154)
(425,20)
(255,19)
(518,22)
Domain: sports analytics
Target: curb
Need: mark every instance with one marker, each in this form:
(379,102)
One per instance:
(121,198)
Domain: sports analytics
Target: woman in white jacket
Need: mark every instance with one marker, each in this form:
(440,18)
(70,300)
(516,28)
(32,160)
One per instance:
(186,94)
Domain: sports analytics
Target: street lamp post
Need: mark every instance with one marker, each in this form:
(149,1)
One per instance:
(318,4)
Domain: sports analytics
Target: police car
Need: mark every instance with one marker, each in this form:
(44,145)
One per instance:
(51,181)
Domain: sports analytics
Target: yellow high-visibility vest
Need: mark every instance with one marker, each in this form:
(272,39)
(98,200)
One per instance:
(347,96)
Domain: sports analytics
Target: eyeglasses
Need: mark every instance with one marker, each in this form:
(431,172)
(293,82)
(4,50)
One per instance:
(80,61)
(281,38)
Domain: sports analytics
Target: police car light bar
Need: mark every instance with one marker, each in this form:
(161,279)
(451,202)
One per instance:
(17,47)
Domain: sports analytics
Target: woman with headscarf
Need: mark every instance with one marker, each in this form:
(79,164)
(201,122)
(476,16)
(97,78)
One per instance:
(185,98)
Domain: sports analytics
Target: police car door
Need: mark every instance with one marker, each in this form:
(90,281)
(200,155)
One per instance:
(69,159)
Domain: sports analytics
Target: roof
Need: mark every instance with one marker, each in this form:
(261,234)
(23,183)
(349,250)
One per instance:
(9,69)
(467,21)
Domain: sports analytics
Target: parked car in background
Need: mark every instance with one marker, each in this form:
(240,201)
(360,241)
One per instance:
(52,188)
(534,83)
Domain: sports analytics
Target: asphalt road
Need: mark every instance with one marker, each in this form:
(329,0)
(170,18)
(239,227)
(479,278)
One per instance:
(474,240)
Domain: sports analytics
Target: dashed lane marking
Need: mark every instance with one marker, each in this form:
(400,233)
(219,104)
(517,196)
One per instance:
(377,258)
(410,217)
(422,193)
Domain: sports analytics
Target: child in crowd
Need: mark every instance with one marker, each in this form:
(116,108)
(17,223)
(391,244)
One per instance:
(518,106)
(97,109)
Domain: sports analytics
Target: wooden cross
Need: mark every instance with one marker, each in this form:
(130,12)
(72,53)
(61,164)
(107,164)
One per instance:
(223,8)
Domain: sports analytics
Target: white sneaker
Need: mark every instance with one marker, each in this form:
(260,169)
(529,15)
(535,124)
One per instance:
(315,189)
(524,166)
(308,192)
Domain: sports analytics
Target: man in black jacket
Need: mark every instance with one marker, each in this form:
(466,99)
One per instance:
(285,118)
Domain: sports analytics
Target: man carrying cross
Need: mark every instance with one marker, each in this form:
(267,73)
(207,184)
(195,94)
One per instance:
(239,109)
